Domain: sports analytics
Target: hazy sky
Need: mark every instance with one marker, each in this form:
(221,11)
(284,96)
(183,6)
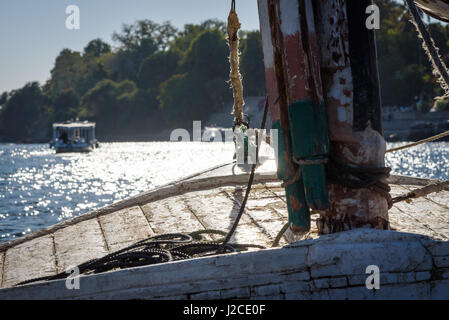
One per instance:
(33,32)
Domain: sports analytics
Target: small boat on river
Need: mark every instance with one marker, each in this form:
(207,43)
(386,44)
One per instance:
(74,137)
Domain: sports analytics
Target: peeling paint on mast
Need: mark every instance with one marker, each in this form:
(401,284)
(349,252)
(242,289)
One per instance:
(298,52)
(349,70)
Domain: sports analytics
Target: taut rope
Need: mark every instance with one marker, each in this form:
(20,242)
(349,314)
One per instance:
(430,139)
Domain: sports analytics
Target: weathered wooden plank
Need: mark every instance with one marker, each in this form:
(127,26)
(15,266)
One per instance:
(276,189)
(405,222)
(125,227)
(171,216)
(217,211)
(79,243)
(432,215)
(29,260)
(171,189)
(426,214)
(441,198)
(258,208)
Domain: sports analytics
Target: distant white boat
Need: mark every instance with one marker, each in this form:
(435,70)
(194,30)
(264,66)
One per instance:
(74,137)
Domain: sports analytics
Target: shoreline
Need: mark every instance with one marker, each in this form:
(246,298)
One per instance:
(390,139)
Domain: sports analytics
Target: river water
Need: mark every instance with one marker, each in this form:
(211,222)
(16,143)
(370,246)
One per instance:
(39,188)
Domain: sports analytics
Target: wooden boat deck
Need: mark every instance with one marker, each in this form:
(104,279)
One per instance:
(176,208)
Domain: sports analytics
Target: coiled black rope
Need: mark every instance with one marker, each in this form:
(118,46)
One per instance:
(154,250)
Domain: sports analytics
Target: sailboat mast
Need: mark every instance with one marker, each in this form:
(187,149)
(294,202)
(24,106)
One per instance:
(319,55)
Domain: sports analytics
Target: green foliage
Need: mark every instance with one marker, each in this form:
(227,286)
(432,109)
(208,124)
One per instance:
(202,89)
(96,48)
(22,112)
(184,38)
(65,106)
(134,36)
(207,55)
(3,98)
(67,73)
(251,65)
(157,68)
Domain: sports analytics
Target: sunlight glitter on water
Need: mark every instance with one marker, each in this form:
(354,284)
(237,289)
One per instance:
(39,188)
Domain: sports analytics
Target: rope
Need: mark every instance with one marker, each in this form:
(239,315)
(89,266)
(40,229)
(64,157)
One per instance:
(248,188)
(280,234)
(158,249)
(234,75)
(296,177)
(439,68)
(422,192)
(430,139)
(372,178)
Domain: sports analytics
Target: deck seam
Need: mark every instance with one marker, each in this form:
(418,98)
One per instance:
(54,253)
(274,211)
(106,245)
(437,203)
(253,220)
(147,219)
(194,214)
(3,268)
(274,193)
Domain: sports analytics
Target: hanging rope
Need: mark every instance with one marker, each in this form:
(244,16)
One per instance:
(439,67)
(234,75)
(248,188)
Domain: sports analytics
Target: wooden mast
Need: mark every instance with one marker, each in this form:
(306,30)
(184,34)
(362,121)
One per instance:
(322,52)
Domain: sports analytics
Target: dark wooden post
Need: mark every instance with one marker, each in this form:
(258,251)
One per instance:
(321,51)
(352,96)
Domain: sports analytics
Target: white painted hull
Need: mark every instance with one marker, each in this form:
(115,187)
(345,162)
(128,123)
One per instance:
(332,267)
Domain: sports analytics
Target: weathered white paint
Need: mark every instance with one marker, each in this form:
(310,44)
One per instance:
(290,19)
(125,227)
(78,243)
(342,117)
(345,100)
(29,260)
(265,31)
(332,267)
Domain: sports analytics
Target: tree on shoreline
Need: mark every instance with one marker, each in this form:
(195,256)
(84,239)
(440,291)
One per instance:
(156,76)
